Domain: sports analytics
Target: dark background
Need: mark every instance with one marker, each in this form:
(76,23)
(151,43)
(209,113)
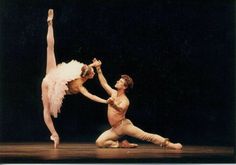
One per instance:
(179,53)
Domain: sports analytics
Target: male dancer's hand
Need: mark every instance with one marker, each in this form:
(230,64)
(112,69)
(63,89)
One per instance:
(97,63)
(111,101)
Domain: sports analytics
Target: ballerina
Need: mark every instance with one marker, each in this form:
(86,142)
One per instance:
(60,80)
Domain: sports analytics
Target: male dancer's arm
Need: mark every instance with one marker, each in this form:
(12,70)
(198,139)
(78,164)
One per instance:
(102,79)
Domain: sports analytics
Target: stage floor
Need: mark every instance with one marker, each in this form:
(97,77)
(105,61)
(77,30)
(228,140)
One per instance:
(89,153)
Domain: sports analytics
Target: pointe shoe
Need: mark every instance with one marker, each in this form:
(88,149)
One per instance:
(56,140)
(126,144)
(50,16)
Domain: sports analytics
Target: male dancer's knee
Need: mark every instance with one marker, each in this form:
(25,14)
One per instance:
(99,143)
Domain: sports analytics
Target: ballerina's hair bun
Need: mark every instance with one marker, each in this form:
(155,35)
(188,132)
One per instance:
(85,71)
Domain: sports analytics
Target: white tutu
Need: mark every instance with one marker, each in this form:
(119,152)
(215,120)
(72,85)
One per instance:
(57,80)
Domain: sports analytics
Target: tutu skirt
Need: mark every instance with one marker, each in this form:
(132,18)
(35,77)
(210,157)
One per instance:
(56,81)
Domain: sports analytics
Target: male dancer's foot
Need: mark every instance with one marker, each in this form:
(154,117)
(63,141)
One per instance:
(168,144)
(126,144)
(176,146)
(50,16)
(56,140)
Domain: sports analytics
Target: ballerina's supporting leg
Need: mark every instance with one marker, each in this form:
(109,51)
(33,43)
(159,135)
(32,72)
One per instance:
(47,116)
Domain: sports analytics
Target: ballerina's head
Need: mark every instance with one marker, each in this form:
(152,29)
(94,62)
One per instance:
(87,72)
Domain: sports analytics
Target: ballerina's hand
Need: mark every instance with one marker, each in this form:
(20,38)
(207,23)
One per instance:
(110,100)
(96,63)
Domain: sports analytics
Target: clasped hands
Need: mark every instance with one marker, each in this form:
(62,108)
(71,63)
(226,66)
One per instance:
(111,101)
(97,63)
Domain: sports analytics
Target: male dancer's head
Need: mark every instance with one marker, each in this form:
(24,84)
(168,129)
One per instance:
(124,83)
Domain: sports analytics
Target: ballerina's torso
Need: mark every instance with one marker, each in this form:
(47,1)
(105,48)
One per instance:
(74,86)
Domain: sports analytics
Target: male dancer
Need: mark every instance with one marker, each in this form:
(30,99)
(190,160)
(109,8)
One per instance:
(118,105)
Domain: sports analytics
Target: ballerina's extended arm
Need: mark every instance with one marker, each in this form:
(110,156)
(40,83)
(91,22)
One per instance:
(86,93)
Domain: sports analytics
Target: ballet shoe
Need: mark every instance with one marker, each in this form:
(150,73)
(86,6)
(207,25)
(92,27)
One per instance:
(168,144)
(176,146)
(55,139)
(50,16)
(126,144)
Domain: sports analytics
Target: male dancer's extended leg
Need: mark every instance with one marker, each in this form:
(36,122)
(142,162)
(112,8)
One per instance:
(131,130)
(51,63)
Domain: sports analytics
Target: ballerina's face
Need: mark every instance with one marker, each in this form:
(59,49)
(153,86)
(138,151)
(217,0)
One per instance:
(91,73)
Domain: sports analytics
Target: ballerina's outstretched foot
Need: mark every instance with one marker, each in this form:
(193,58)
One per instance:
(50,16)
(56,140)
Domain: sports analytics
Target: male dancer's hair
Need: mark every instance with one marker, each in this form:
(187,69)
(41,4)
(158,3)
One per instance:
(129,83)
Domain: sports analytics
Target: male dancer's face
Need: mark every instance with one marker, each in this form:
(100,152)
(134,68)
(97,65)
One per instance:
(120,84)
